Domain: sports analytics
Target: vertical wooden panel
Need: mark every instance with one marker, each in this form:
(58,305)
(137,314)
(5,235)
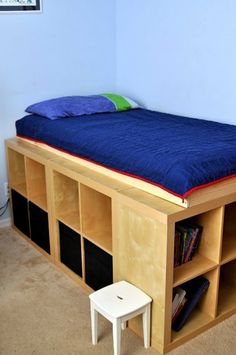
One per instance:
(52,223)
(140,254)
(208,305)
(211,241)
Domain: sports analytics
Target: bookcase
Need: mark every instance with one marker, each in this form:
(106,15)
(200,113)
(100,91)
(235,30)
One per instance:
(27,181)
(83,227)
(99,230)
(145,239)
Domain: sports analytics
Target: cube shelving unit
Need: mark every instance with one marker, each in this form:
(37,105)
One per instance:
(99,230)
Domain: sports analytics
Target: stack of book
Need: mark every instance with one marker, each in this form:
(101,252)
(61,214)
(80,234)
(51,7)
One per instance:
(185,299)
(187,238)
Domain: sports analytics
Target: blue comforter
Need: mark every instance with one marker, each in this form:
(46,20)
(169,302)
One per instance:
(176,153)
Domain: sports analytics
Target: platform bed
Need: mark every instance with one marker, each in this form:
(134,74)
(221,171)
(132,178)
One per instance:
(172,157)
(99,226)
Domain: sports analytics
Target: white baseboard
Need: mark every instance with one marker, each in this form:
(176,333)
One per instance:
(6,222)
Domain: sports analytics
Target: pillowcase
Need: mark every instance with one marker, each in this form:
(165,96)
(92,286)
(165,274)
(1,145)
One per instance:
(68,106)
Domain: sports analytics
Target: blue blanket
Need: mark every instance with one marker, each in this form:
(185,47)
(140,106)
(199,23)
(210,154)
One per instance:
(178,154)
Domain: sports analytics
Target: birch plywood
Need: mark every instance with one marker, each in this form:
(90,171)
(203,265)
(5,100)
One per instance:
(16,168)
(36,182)
(96,217)
(211,240)
(208,304)
(66,200)
(140,251)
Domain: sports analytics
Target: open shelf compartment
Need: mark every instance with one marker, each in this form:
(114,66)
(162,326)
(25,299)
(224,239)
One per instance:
(96,217)
(227,288)
(207,256)
(66,199)
(17,179)
(36,183)
(229,235)
(205,310)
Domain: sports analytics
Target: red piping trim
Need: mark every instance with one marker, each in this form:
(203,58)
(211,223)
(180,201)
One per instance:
(186,194)
(208,184)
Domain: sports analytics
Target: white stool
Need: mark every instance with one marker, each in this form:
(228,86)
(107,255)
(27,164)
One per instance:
(118,303)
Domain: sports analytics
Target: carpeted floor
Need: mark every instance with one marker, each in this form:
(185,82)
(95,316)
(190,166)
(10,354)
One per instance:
(42,311)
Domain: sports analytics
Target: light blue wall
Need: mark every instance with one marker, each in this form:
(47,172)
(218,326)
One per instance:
(68,49)
(179,56)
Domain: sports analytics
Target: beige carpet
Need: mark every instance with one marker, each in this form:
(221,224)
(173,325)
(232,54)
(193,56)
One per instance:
(42,311)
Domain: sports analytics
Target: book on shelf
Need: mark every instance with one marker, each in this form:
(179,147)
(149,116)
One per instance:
(194,291)
(193,245)
(179,310)
(187,238)
(177,248)
(177,300)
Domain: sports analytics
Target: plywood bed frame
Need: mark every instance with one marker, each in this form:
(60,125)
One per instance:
(128,227)
(199,196)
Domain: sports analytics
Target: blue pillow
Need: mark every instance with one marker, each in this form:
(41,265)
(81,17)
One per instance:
(81,105)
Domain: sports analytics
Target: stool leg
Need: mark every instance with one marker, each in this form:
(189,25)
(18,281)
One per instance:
(123,325)
(116,329)
(146,326)
(94,321)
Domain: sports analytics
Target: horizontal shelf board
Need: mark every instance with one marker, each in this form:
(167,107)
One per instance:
(196,267)
(40,201)
(227,298)
(228,248)
(71,219)
(102,239)
(21,188)
(197,320)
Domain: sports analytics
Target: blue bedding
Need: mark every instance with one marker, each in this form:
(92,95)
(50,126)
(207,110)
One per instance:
(178,154)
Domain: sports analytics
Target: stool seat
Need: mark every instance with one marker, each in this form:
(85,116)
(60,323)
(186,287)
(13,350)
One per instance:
(120,299)
(118,303)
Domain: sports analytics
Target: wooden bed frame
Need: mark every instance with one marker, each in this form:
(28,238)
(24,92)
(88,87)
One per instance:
(200,196)
(131,227)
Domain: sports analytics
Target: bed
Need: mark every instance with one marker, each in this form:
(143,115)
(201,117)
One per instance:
(173,157)
(187,161)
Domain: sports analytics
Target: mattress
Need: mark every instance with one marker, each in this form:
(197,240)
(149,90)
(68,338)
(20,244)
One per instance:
(177,154)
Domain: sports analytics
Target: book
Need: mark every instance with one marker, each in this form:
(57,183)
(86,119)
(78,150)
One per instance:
(178,298)
(182,231)
(175,303)
(179,309)
(196,235)
(187,238)
(195,290)
(176,250)
(196,243)
(190,233)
